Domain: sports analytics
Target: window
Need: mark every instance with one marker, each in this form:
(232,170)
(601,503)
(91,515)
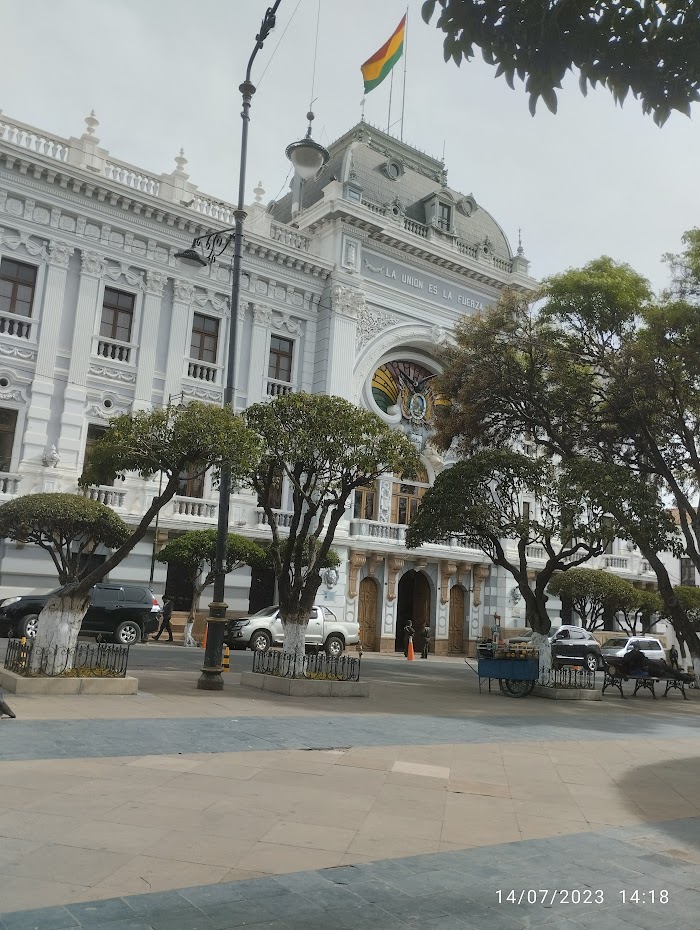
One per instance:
(94,432)
(8,422)
(205,338)
(276,489)
(117,315)
(17,283)
(280,365)
(191,483)
(687,572)
(444,216)
(365,503)
(526,511)
(406,498)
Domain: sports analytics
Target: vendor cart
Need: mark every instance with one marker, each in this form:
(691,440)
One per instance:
(516,677)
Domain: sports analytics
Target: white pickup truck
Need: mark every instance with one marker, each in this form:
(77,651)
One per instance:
(261,630)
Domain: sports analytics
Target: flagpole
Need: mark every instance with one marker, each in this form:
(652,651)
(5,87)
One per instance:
(391,90)
(405,53)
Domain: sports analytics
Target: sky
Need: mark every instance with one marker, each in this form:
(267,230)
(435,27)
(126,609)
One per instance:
(164,74)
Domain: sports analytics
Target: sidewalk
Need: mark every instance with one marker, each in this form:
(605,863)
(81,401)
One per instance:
(182,809)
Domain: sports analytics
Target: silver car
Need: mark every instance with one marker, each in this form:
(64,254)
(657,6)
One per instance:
(621,645)
(264,629)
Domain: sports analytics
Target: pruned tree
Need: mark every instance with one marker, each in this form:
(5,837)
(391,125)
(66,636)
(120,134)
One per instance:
(650,49)
(643,614)
(325,447)
(595,593)
(194,553)
(195,438)
(481,500)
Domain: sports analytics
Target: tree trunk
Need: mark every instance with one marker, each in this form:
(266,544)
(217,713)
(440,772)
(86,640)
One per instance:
(540,642)
(57,633)
(295,641)
(187,637)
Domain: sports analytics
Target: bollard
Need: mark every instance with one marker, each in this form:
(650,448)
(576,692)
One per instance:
(226,661)
(411,654)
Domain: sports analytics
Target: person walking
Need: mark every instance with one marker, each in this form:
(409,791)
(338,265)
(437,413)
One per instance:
(408,631)
(426,641)
(165,623)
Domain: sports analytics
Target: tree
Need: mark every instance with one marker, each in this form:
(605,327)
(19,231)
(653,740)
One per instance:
(195,438)
(605,377)
(194,553)
(326,447)
(648,48)
(639,618)
(594,594)
(685,269)
(481,500)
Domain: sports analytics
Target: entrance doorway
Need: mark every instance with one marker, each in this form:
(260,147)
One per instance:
(413,604)
(178,588)
(455,633)
(367,613)
(262,589)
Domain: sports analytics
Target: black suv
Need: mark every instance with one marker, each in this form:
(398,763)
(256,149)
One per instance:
(571,645)
(124,613)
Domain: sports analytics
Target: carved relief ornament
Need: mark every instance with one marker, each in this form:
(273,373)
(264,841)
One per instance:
(266,316)
(481,572)
(60,254)
(93,264)
(155,283)
(370,323)
(183,291)
(347,301)
(447,570)
(396,563)
(357,560)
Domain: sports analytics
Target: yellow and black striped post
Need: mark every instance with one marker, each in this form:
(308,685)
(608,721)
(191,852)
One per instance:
(226,660)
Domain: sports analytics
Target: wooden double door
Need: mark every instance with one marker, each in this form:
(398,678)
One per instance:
(455,632)
(367,613)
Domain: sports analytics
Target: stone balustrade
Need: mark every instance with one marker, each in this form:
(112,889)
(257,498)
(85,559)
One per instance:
(114,349)
(289,236)
(11,324)
(196,507)
(275,388)
(126,174)
(202,371)
(104,494)
(372,529)
(284,517)
(9,483)
(27,137)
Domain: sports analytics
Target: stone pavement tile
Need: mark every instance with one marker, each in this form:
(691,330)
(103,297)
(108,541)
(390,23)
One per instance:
(202,848)
(222,820)
(417,781)
(533,827)
(72,805)
(324,814)
(468,786)
(390,847)
(375,890)
(12,849)
(150,873)
(47,918)
(34,826)
(115,837)
(212,895)
(309,836)
(242,913)
(145,814)
(589,774)
(415,910)
(227,765)
(364,917)
(129,923)
(96,912)
(67,864)
(16,892)
(430,807)
(169,763)
(276,857)
(412,824)
(556,810)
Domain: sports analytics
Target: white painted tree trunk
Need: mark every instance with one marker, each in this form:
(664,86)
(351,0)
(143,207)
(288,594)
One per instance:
(188,638)
(57,633)
(295,643)
(540,642)
(696,669)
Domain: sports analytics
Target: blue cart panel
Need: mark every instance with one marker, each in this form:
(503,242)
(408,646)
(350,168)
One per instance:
(506,670)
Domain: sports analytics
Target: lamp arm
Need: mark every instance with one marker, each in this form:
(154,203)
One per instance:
(266,27)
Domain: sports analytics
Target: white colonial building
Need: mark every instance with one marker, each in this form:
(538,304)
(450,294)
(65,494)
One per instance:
(350,283)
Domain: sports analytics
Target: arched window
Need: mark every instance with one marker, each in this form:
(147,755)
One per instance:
(365,503)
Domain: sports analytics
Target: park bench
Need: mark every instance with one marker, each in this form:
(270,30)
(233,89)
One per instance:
(642,680)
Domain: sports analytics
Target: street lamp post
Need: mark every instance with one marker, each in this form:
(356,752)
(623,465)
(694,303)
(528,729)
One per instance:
(308,158)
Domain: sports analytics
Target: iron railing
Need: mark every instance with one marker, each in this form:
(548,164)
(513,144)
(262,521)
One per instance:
(101,660)
(568,677)
(320,666)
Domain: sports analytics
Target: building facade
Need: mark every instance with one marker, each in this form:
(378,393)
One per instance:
(351,282)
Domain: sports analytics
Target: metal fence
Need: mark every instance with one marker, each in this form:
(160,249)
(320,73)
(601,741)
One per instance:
(568,677)
(320,666)
(101,660)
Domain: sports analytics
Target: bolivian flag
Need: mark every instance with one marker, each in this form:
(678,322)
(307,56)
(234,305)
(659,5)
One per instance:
(376,68)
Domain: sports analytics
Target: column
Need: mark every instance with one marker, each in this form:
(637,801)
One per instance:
(148,342)
(73,416)
(179,339)
(36,434)
(346,303)
(262,319)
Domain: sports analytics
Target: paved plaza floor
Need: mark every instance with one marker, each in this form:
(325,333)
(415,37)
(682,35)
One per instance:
(426,806)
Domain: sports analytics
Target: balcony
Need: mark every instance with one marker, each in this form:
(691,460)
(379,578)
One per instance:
(11,324)
(196,508)
(616,561)
(372,529)
(284,517)
(203,371)
(275,388)
(105,494)
(9,484)
(115,350)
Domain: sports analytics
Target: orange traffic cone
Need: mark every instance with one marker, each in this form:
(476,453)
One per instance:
(204,638)
(411,654)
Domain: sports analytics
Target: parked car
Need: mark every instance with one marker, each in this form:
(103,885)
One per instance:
(571,645)
(123,613)
(621,645)
(264,629)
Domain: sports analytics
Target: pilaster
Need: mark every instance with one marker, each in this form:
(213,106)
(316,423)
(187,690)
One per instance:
(258,344)
(155,285)
(36,435)
(178,341)
(346,303)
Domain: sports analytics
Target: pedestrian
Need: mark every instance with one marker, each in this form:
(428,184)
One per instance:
(426,641)
(165,622)
(673,656)
(408,631)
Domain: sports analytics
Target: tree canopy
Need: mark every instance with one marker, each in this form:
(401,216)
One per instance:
(68,527)
(648,48)
(326,447)
(483,500)
(594,593)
